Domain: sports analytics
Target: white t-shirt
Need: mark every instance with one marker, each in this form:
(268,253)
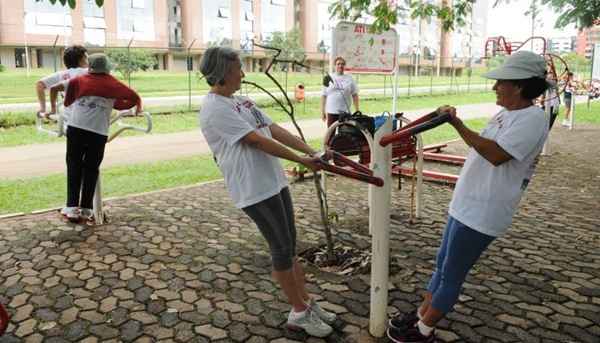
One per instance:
(486,197)
(91,113)
(339,94)
(251,175)
(61,76)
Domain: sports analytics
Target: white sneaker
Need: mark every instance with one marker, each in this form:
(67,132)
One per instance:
(71,213)
(565,122)
(325,316)
(308,321)
(87,214)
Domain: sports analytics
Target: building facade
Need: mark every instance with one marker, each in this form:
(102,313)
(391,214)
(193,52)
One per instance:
(34,33)
(586,39)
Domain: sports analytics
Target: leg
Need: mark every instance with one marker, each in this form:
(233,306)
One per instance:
(74,159)
(91,166)
(434,283)
(465,245)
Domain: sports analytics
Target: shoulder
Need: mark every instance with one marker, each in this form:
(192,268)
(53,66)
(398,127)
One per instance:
(532,115)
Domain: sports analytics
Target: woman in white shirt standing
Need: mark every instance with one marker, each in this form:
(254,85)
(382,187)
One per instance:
(337,94)
(492,181)
(247,145)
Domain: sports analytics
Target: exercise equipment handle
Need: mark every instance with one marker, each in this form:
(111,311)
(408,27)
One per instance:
(433,120)
(124,127)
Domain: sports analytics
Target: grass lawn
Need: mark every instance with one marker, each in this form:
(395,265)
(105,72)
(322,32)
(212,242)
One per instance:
(17,87)
(49,191)
(185,121)
(45,192)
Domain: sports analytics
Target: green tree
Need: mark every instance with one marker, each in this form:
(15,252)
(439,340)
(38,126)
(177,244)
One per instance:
(71,3)
(385,13)
(290,44)
(127,62)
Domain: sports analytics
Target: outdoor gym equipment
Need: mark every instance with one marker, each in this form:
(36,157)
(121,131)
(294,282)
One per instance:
(118,120)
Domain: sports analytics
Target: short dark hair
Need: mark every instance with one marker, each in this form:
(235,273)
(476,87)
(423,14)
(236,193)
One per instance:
(73,55)
(531,88)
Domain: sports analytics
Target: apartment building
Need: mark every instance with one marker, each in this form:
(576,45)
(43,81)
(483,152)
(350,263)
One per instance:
(177,31)
(586,39)
(561,45)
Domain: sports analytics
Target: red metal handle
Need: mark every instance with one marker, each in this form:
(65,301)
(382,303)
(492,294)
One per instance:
(340,159)
(434,121)
(351,174)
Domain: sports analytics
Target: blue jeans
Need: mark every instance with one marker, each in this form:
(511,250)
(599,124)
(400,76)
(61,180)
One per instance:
(460,249)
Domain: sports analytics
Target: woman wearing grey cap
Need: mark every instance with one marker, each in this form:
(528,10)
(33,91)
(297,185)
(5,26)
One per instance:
(247,146)
(496,173)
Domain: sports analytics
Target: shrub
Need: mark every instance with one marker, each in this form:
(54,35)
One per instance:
(128,62)
(2,68)
(10,119)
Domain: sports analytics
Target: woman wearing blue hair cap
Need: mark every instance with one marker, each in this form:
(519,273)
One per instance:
(498,167)
(247,146)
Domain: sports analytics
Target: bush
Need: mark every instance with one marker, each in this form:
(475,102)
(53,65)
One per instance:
(128,62)
(2,68)
(10,119)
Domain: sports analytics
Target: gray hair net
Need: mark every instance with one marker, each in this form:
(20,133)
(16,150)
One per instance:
(215,64)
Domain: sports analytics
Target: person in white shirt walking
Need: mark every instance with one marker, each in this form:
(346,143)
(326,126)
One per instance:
(337,93)
(492,181)
(247,145)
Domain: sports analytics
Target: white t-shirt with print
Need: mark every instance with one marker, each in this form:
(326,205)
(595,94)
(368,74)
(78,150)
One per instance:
(339,94)
(91,113)
(486,197)
(61,76)
(251,175)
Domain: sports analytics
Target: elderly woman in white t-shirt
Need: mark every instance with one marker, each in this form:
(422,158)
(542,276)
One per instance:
(492,181)
(247,146)
(336,96)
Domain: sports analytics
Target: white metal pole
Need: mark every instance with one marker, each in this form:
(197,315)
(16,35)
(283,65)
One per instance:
(379,226)
(419,171)
(98,212)
(546,148)
(572,116)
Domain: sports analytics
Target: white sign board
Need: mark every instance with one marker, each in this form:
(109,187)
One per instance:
(596,62)
(365,52)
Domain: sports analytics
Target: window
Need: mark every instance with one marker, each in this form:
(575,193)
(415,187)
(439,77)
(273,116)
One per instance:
(90,9)
(137,4)
(224,12)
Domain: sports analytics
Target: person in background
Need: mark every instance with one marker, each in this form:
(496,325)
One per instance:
(247,145)
(75,59)
(92,98)
(492,181)
(337,93)
(568,97)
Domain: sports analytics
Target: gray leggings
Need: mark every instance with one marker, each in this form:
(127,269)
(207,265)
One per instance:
(275,220)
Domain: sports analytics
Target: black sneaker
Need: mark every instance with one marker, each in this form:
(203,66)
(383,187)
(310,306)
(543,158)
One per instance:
(404,322)
(410,335)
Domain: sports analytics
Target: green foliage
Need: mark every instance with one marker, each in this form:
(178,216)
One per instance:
(583,13)
(128,61)
(572,59)
(495,61)
(290,44)
(2,68)
(72,3)
(386,13)
(9,119)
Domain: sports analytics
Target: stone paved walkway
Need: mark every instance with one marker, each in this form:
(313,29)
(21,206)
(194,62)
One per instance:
(185,266)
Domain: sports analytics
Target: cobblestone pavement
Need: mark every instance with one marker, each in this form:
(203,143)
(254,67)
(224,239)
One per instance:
(185,266)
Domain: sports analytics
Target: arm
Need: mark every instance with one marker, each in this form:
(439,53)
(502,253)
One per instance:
(40,89)
(276,149)
(284,137)
(355,101)
(323,113)
(59,87)
(487,148)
